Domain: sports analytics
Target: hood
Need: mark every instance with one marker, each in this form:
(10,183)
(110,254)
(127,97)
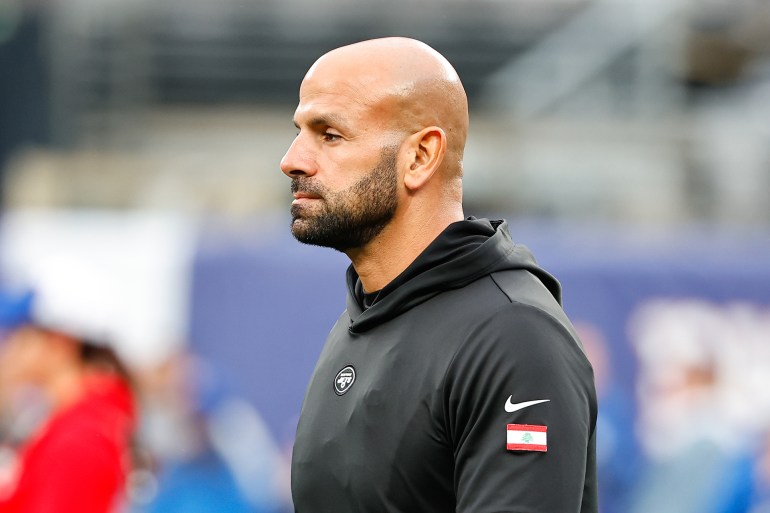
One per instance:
(464,252)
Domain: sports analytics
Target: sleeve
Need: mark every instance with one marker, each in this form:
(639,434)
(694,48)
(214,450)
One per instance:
(75,472)
(513,454)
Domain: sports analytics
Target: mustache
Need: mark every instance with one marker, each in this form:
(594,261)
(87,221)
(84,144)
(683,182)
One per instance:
(304,184)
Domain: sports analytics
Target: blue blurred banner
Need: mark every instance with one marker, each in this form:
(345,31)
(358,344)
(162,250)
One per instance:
(676,325)
(261,307)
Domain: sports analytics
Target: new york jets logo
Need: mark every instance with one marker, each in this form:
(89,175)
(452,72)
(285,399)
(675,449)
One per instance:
(344,380)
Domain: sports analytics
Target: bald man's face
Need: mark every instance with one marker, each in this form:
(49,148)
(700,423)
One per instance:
(343,161)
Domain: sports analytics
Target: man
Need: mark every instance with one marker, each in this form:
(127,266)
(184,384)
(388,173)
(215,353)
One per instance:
(76,460)
(453,381)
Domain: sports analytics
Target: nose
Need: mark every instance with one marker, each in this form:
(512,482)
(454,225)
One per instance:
(297,161)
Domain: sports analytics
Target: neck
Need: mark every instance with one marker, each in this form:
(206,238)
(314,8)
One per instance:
(397,246)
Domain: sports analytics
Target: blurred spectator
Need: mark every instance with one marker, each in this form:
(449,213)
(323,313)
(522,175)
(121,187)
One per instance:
(75,460)
(699,450)
(617,453)
(213,451)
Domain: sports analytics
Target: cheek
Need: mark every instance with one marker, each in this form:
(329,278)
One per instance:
(22,361)
(341,173)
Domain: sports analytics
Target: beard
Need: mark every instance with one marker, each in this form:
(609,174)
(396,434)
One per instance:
(352,217)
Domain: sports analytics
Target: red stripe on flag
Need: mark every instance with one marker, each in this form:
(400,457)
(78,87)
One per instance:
(527,447)
(527,427)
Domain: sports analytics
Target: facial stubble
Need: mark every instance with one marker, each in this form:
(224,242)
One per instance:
(350,218)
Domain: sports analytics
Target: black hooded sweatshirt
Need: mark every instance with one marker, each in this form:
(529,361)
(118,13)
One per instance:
(460,386)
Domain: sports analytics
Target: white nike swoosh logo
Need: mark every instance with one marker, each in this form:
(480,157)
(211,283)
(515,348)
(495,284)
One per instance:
(512,407)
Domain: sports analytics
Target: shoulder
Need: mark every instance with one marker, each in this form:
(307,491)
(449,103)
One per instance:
(521,287)
(524,348)
(520,338)
(508,309)
(87,431)
(74,436)
(523,333)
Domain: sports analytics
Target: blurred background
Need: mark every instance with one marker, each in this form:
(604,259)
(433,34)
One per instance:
(627,141)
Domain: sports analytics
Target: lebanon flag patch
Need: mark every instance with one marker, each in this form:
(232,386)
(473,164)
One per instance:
(527,437)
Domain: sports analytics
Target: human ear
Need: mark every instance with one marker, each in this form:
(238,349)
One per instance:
(428,148)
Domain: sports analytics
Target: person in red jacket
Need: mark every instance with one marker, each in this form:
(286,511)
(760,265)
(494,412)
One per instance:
(77,459)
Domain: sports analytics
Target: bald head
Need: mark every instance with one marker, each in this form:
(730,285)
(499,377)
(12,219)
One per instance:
(404,82)
(377,159)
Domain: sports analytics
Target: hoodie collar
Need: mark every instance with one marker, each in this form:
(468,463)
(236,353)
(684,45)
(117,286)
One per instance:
(463,252)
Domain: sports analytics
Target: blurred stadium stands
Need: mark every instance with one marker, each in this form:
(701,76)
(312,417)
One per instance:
(649,111)
(630,139)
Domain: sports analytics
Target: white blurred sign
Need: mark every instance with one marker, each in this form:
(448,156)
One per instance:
(122,277)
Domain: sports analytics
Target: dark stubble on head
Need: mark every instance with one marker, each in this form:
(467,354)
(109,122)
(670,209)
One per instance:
(350,218)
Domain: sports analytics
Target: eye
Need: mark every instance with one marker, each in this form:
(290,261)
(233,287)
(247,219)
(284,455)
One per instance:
(330,136)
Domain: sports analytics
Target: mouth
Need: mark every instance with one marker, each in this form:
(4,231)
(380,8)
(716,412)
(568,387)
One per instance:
(304,197)
(304,191)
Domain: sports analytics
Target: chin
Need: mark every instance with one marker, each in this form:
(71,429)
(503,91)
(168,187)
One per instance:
(299,227)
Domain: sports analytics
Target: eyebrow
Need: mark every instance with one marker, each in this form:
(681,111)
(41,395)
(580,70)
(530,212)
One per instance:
(329,119)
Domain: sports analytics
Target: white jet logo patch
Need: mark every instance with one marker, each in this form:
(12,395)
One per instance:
(344,380)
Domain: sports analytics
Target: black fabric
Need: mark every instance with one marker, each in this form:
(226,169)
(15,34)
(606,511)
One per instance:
(437,353)
(462,253)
